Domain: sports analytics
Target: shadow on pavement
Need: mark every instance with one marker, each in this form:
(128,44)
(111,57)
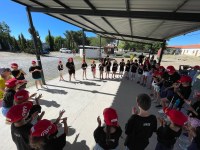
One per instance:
(76,145)
(54,91)
(92,91)
(49,103)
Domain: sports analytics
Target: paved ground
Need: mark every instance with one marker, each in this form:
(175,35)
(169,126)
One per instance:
(49,63)
(83,102)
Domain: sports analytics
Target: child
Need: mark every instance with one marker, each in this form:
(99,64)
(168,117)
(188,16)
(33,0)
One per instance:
(17,73)
(43,135)
(8,99)
(108,65)
(107,137)
(121,68)
(146,69)
(167,134)
(60,69)
(36,74)
(93,68)
(84,67)
(114,68)
(127,69)
(141,125)
(134,70)
(156,84)
(139,73)
(20,128)
(101,69)
(71,68)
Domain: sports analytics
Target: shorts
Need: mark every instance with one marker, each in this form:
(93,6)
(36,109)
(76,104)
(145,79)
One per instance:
(71,72)
(38,79)
(5,111)
(98,147)
(160,146)
(155,87)
(145,73)
(166,94)
(121,69)
(61,72)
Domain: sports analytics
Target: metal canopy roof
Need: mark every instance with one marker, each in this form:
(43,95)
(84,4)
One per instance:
(144,21)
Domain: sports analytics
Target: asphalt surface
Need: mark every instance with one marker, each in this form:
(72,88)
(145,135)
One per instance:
(49,63)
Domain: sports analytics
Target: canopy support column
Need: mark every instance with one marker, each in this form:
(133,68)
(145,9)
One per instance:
(100,48)
(162,51)
(83,42)
(34,37)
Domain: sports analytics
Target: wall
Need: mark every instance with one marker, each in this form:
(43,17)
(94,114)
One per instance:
(191,52)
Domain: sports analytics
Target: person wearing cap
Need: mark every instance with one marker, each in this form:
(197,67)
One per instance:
(114,68)
(16,72)
(183,69)
(60,69)
(43,135)
(71,68)
(168,79)
(93,69)
(141,125)
(182,91)
(20,128)
(36,74)
(107,137)
(121,68)
(193,73)
(8,99)
(5,74)
(168,134)
(84,67)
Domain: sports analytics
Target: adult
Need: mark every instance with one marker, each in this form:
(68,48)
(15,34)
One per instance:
(71,68)
(36,70)
(141,58)
(16,72)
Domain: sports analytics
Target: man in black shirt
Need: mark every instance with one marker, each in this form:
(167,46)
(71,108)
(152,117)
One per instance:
(36,74)
(17,73)
(20,129)
(141,125)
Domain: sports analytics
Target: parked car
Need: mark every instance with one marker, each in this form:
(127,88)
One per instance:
(45,51)
(65,50)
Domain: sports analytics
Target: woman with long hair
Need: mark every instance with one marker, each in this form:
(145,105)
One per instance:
(107,136)
(71,68)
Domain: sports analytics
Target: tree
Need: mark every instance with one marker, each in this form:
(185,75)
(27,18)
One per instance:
(23,42)
(50,40)
(59,42)
(4,35)
(95,41)
(15,44)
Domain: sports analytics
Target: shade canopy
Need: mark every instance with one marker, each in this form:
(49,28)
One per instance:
(143,21)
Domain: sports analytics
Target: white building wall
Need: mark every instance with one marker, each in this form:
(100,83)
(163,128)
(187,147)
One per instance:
(191,52)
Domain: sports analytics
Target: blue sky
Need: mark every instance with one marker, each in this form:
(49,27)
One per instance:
(15,16)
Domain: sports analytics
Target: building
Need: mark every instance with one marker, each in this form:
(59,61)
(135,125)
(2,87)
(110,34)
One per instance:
(192,50)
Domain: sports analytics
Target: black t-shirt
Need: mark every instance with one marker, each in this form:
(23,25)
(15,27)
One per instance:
(20,136)
(169,80)
(55,143)
(167,136)
(128,66)
(101,67)
(141,57)
(8,98)
(184,91)
(122,64)
(18,73)
(140,71)
(196,107)
(134,67)
(108,65)
(115,66)
(100,138)
(138,130)
(36,74)
(146,67)
(84,66)
(60,67)
(70,65)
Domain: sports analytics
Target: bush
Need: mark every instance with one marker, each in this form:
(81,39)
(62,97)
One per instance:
(118,54)
(127,56)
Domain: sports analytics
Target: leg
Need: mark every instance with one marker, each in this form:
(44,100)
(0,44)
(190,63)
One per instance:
(70,77)
(40,82)
(36,84)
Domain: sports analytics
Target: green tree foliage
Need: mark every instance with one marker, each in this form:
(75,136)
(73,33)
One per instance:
(50,40)
(95,41)
(59,42)
(5,36)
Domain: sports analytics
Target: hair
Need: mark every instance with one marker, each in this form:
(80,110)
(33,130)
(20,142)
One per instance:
(36,142)
(144,101)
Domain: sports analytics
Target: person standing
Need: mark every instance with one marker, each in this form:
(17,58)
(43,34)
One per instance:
(134,68)
(101,69)
(127,69)
(141,58)
(93,69)
(36,74)
(114,68)
(121,68)
(60,69)
(71,68)
(108,65)
(17,73)
(84,67)
(107,137)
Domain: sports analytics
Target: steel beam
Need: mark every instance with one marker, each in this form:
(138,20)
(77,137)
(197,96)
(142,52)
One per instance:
(191,17)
